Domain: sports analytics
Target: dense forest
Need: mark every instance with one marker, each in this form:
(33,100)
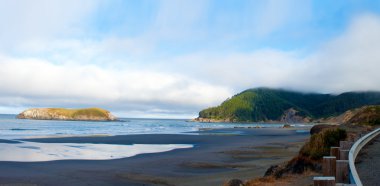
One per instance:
(264,104)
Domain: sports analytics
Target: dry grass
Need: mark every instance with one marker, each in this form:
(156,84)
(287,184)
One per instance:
(367,115)
(75,113)
(304,179)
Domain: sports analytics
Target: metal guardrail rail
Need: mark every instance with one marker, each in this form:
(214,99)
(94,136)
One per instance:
(354,151)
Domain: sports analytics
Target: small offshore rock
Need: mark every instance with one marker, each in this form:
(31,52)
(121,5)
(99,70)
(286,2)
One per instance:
(234,182)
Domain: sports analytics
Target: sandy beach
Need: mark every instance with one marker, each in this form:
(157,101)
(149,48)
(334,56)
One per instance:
(218,155)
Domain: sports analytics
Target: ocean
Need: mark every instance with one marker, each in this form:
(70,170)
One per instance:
(14,135)
(12,128)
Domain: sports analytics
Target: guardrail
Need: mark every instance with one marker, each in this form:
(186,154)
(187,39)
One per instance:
(354,151)
(339,167)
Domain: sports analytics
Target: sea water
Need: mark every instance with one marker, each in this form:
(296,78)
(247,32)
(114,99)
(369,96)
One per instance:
(12,128)
(17,130)
(33,151)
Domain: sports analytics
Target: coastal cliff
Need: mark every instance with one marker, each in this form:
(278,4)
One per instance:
(289,116)
(88,114)
(278,105)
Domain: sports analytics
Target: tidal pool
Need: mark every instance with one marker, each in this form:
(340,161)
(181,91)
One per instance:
(33,151)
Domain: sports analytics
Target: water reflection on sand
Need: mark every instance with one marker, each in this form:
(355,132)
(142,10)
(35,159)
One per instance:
(32,151)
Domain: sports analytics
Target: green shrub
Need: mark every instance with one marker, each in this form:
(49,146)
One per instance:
(320,143)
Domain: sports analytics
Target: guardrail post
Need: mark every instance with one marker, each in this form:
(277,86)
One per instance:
(324,181)
(345,145)
(342,171)
(329,165)
(334,151)
(343,154)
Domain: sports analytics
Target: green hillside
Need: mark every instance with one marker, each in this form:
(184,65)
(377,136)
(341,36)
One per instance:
(264,104)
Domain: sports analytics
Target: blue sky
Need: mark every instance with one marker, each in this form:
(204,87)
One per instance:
(250,25)
(152,58)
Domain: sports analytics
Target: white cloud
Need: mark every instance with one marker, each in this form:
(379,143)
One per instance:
(23,20)
(265,67)
(347,63)
(353,59)
(41,83)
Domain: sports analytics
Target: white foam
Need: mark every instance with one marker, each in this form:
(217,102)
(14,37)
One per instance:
(32,151)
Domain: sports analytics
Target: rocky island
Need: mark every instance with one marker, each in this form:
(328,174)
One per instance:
(87,114)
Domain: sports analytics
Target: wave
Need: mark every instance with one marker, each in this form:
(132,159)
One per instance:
(21,129)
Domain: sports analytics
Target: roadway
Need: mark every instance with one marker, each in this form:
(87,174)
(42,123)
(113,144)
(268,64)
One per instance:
(368,163)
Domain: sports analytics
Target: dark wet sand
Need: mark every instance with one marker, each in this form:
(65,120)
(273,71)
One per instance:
(218,155)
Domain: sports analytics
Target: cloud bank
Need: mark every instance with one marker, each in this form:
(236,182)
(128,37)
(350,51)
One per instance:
(349,62)
(39,82)
(56,63)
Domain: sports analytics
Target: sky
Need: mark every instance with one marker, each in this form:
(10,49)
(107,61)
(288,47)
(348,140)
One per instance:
(172,58)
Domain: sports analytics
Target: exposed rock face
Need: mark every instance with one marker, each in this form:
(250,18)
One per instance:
(89,114)
(290,116)
(343,118)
